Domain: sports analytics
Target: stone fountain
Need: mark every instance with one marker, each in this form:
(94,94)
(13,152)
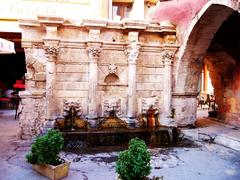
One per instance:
(111,130)
(71,120)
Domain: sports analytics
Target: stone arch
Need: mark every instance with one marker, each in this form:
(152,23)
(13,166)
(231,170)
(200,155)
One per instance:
(196,41)
(111,79)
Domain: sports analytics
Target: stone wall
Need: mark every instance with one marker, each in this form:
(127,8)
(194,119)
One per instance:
(103,65)
(224,73)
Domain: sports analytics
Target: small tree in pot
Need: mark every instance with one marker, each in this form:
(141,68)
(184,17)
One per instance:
(44,155)
(134,163)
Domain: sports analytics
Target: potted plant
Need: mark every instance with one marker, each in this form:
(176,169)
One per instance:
(134,163)
(44,155)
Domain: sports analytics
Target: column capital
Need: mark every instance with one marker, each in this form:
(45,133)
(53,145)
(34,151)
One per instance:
(168,57)
(132,52)
(51,50)
(94,52)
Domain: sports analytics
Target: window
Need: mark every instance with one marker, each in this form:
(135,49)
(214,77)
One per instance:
(121,10)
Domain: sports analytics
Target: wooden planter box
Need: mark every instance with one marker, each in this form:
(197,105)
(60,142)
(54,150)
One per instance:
(53,172)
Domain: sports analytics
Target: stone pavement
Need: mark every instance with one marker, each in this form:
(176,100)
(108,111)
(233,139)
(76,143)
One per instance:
(175,163)
(211,130)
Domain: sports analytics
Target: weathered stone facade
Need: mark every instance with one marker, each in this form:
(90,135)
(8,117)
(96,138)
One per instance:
(128,65)
(102,65)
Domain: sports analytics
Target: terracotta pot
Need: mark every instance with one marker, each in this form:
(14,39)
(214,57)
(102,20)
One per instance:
(53,172)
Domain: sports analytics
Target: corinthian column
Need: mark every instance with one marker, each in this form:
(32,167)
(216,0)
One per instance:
(167,58)
(93,53)
(51,52)
(132,54)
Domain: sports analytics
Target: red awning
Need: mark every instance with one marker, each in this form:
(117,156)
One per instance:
(19,86)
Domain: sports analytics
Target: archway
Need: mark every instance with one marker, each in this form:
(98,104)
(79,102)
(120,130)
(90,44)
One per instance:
(193,51)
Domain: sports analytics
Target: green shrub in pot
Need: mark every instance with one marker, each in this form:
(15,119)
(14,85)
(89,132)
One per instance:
(134,163)
(46,149)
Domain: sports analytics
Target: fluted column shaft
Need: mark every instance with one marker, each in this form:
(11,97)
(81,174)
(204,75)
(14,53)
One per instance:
(167,57)
(51,53)
(93,53)
(132,53)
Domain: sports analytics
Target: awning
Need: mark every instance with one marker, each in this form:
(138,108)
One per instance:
(6,47)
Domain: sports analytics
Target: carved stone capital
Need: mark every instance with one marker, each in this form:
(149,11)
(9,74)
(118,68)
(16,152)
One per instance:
(52,50)
(93,52)
(132,52)
(168,57)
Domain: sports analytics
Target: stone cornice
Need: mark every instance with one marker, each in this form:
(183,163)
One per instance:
(32,43)
(147,26)
(50,20)
(29,22)
(184,94)
(114,46)
(151,48)
(73,44)
(105,45)
(32,94)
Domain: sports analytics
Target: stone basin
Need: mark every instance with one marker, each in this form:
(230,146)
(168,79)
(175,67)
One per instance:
(83,140)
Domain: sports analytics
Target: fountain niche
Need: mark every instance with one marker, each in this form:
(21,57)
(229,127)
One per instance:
(71,120)
(111,130)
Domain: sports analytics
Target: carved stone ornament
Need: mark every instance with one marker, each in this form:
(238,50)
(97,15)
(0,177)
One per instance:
(68,104)
(132,52)
(112,105)
(94,51)
(51,50)
(112,69)
(147,102)
(170,39)
(30,71)
(168,57)
(94,35)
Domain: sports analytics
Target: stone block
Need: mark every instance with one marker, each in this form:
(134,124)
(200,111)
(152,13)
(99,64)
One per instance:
(71,94)
(72,86)
(40,76)
(72,77)
(76,68)
(71,55)
(151,78)
(149,86)
(60,68)
(30,84)
(151,70)
(41,85)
